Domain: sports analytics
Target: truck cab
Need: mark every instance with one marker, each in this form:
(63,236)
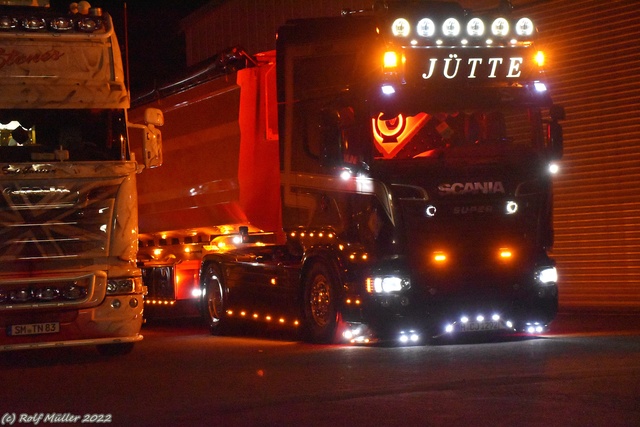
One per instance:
(383,174)
(416,144)
(68,215)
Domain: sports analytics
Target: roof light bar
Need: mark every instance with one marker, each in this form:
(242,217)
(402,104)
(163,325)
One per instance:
(500,27)
(59,24)
(426,28)
(524,27)
(451,27)
(476,27)
(32,24)
(8,23)
(401,28)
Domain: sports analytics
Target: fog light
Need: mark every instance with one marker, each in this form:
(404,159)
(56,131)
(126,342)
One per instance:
(534,328)
(356,333)
(21,295)
(47,294)
(411,336)
(116,303)
(388,90)
(133,302)
(72,292)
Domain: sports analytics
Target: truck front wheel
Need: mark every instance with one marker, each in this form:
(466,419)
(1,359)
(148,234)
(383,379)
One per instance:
(213,298)
(320,305)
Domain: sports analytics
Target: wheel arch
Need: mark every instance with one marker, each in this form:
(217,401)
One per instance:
(327,257)
(210,259)
(206,261)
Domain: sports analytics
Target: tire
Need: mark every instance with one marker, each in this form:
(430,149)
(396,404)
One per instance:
(214,298)
(119,349)
(320,305)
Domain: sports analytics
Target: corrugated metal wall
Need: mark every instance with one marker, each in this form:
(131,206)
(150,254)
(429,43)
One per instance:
(594,68)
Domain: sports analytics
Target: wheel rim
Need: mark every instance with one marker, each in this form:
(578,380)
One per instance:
(320,300)
(214,296)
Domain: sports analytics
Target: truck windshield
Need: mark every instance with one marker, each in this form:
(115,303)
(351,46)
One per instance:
(87,135)
(434,133)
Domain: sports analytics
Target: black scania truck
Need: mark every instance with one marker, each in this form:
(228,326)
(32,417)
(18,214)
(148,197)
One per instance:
(415,146)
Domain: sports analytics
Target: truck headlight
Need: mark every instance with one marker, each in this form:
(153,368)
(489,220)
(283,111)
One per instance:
(548,276)
(386,284)
(120,286)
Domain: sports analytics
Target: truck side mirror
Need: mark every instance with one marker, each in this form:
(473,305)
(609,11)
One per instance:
(151,137)
(556,139)
(330,153)
(152,147)
(153,116)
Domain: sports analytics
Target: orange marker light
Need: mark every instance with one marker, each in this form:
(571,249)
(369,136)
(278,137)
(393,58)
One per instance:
(369,285)
(390,59)
(505,253)
(439,257)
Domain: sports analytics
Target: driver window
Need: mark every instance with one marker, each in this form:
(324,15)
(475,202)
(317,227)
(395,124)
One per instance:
(14,134)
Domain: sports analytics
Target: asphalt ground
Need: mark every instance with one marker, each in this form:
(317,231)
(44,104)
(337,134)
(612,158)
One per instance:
(578,321)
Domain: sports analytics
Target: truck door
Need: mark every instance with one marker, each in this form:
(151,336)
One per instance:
(259,281)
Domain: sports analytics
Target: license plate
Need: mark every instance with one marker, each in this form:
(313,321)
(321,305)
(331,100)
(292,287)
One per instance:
(34,329)
(480,326)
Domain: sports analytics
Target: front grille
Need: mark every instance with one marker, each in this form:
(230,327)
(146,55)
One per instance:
(49,220)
